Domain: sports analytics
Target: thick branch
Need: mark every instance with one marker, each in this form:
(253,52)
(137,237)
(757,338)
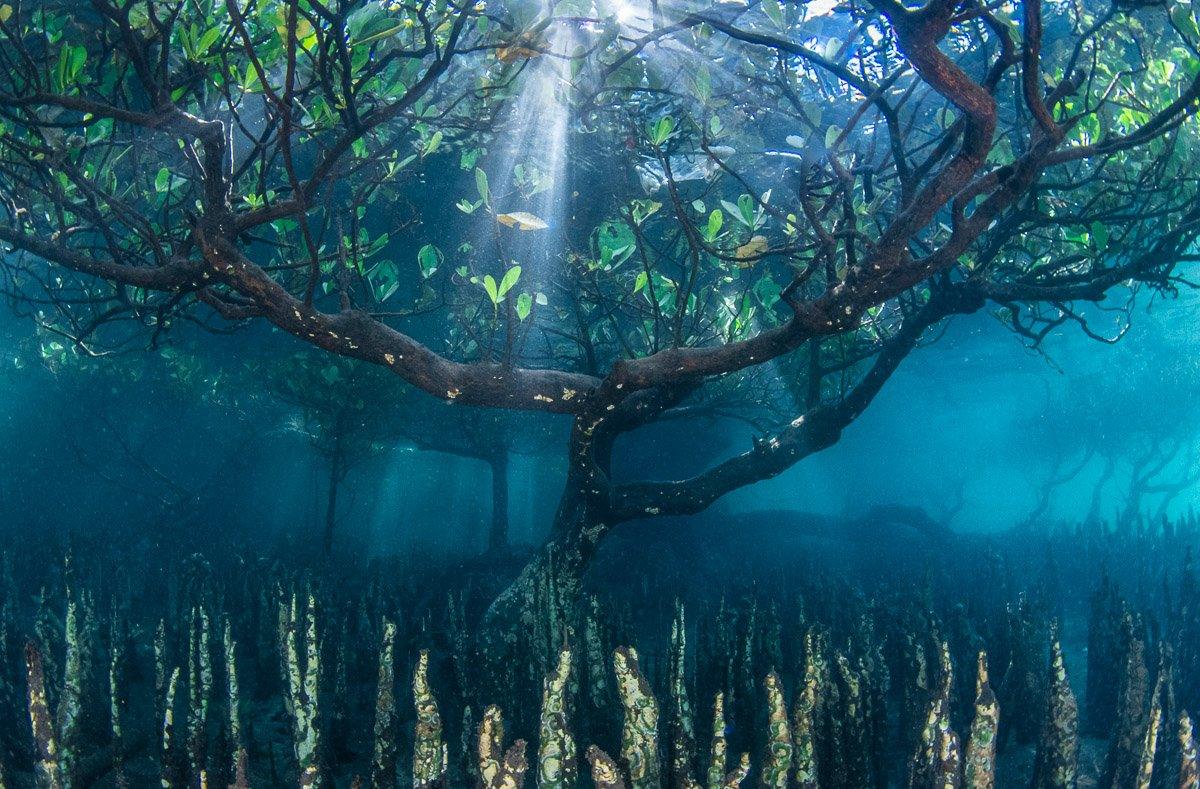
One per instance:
(355,334)
(170,277)
(818,429)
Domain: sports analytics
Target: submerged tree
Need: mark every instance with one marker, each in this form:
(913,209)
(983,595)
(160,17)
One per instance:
(108,428)
(351,412)
(657,199)
(334,399)
(1099,424)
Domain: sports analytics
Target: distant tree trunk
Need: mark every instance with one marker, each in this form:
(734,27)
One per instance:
(1172,490)
(498,535)
(1106,473)
(335,481)
(1061,474)
(1141,479)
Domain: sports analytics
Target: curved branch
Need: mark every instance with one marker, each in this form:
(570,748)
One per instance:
(175,275)
(355,334)
(818,429)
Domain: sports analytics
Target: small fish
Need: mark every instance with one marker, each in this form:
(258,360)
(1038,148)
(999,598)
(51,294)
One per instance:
(749,253)
(697,166)
(514,53)
(787,155)
(522,220)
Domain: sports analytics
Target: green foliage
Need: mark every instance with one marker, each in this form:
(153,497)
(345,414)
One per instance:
(747,211)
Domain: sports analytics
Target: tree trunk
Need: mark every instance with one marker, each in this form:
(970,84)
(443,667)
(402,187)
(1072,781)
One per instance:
(544,595)
(532,616)
(335,479)
(498,535)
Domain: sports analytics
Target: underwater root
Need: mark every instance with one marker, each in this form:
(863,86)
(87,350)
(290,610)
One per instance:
(830,718)
(263,674)
(825,704)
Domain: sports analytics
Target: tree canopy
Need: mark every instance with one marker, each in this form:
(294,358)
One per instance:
(604,209)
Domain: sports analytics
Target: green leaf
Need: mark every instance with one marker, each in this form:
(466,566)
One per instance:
(831,135)
(481,184)
(746,210)
(768,292)
(386,32)
(467,159)
(385,280)
(489,285)
(715,220)
(702,84)
(773,12)
(370,23)
(432,145)
(524,305)
(428,258)
(207,40)
(661,131)
(251,82)
(644,209)
(640,282)
(78,58)
(510,279)
(1183,18)
(162,181)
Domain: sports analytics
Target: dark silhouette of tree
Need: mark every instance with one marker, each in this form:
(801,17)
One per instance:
(350,413)
(104,424)
(1100,430)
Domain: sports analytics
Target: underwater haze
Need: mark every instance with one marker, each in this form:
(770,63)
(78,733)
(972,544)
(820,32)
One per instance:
(627,394)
